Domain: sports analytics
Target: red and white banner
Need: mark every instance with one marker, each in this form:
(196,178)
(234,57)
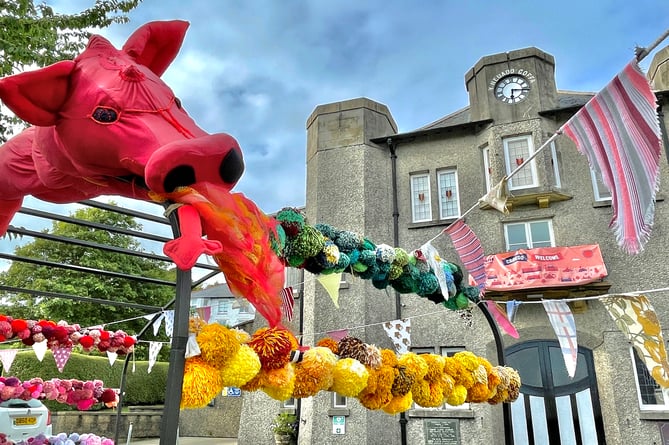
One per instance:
(544,267)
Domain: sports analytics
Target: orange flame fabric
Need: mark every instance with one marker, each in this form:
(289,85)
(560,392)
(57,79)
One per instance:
(252,269)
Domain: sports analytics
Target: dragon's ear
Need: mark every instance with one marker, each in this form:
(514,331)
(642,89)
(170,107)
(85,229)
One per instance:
(156,44)
(37,96)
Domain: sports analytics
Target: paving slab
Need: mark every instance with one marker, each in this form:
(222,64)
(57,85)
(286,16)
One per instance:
(184,441)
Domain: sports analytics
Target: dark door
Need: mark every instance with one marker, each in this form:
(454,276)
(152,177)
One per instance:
(554,408)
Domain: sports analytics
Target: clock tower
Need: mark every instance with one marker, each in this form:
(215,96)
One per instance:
(512,86)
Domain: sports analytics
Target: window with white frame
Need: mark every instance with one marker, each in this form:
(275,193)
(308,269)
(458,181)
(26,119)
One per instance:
(529,235)
(290,403)
(601,192)
(446,351)
(516,150)
(449,196)
(421,208)
(651,395)
(223,307)
(487,168)
(338,401)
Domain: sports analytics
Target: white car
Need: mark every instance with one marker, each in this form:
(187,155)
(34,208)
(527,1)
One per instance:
(22,419)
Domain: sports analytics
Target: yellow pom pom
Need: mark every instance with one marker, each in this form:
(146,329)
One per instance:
(202,382)
(314,372)
(399,404)
(349,377)
(241,368)
(414,364)
(217,344)
(458,396)
(279,383)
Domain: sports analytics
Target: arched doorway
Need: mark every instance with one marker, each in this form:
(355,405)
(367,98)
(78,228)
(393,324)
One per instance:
(554,408)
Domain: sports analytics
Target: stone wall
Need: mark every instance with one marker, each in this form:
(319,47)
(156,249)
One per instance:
(145,423)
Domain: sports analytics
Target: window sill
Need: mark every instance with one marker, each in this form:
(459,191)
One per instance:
(442,413)
(654,415)
(339,412)
(437,223)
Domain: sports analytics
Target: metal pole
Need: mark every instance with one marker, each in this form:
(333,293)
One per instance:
(501,360)
(169,425)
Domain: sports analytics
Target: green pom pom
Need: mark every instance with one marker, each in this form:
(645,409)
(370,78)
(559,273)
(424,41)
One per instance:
(450,304)
(471,292)
(461,301)
(359,267)
(404,284)
(401,257)
(307,243)
(295,261)
(395,271)
(291,219)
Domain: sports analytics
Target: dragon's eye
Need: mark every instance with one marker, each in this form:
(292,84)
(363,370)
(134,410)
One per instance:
(105,115)
(177,101)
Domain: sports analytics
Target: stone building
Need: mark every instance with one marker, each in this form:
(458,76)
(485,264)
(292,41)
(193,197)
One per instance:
(405,188)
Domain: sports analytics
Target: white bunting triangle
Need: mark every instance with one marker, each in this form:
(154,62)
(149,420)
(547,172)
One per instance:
(111,356)
(154,349)
(40,349)
(7,357)
(169,323)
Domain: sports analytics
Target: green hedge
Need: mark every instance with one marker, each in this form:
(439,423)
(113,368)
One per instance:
(141,388)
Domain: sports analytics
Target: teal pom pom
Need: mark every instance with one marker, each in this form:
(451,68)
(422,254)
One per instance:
(368,257)
(347,241)
(327,230)
(380,283)
(427,284)
(368,245)
(343,263)
(369,273)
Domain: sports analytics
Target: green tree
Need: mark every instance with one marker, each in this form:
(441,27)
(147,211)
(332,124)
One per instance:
(26,275)
(36,35)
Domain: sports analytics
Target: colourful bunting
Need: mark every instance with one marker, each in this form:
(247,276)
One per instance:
(399,332)
(636,318)
(562,320)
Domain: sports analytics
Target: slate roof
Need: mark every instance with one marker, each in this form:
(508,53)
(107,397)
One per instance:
(566,100)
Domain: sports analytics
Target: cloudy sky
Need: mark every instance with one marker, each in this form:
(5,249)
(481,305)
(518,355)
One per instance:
(257,68)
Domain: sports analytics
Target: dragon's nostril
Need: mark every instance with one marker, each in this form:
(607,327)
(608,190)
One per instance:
(232,167)
(180,176)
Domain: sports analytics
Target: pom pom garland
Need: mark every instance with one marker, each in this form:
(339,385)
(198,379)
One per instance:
(323,249)
(63,335)
(380,381)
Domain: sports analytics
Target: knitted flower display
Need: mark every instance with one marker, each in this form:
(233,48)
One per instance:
(77,393)
(323,249)
(63,335)
(61,439)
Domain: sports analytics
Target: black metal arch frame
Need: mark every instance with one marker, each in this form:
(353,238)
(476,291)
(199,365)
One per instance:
(180,303)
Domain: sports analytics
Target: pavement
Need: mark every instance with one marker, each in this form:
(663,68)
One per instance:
(185,441)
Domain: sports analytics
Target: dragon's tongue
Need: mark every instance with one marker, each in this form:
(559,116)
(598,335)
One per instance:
(252,269)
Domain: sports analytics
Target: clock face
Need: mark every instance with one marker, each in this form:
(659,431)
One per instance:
(512,89)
